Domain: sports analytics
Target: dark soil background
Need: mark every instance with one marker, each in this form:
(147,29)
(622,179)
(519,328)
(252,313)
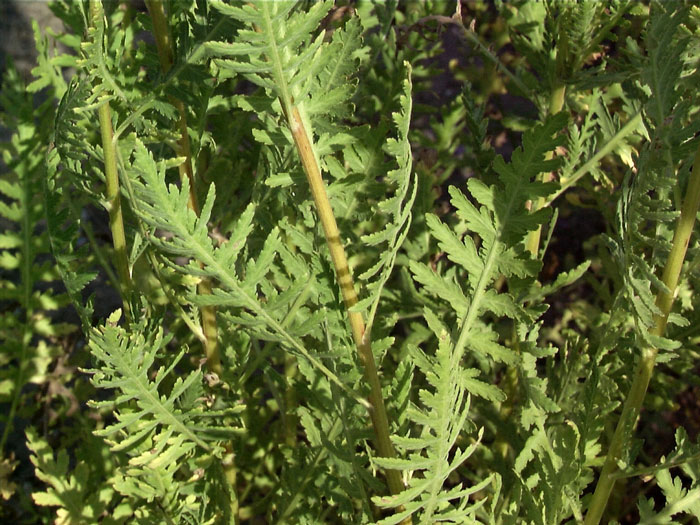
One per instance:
(17,36)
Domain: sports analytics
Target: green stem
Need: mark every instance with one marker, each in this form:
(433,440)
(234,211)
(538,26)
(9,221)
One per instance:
(114,207)
(164,44)
(556,103)
(556,99)
(380,420)
(645,367)
(148,101)
(161,32)
(116,219)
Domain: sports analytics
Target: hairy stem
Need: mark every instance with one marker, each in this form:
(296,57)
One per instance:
(114,206)
(645,367)
(380,420)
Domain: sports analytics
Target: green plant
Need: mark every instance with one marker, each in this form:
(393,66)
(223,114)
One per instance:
(333,301)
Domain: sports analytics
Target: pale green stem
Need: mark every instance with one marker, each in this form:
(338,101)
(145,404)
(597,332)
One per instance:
(380,420)
(161,32)
(116,220)
(114,207)
(645,367)
(148,100)
(556,100)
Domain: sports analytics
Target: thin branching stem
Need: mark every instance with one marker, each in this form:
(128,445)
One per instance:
(609,146)
(645,366)
(147,102)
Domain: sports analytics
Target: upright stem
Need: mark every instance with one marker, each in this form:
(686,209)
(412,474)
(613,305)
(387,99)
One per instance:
(164,44)
(556,99)
(380,420)
(113,197)
(556,103)
(609,146)
(645,367)
(532,243)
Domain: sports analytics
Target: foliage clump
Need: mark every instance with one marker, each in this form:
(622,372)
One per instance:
(306,293)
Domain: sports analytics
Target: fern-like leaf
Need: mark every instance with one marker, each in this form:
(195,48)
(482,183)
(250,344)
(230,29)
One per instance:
(165,207)
(648,196)
(398,207)
(77,499)
(160,420)
(501,222)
